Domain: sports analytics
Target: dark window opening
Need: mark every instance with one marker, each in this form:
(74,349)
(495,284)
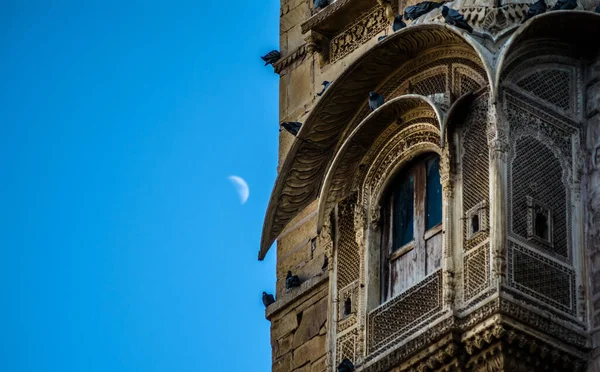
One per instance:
(474,224)
(403,200)
(541,226)
(433,198)
(347,307)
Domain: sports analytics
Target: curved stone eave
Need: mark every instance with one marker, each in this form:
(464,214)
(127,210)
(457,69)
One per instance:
(457,108)
(551,25)
(377,64)
(370,122)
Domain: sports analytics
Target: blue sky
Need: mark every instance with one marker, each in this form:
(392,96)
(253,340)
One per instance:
(124,246)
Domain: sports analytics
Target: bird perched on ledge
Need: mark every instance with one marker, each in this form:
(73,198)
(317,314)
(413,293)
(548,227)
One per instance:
(291,281)
(271,57)
(291,126)
(565,5)
(415,11)
(398,23)
(267,299)
(375,100)
(536,8)
(346,366)
(454,18)
(320,4)
(325,85)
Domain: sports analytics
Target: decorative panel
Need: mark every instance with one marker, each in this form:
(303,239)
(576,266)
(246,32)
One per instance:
(396,317)
(348,268)
(551,85)
(477,271)
(542,278)
(475,170)
(356,34)
(537,174)
(346,347)
(430,85)
(348,260)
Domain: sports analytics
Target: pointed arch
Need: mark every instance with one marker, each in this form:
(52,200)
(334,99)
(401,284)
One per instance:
(304,167)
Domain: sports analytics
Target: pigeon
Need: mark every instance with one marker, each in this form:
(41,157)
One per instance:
(415,11)
(291,281)
(325,85)
(268,299)
(375,100)
(454,18)
(565,5)
(291,126)
(536,8)
(325,263)
(398,23)
(346,366)
(320,4)
(597,9)
(271,57)
(381,38)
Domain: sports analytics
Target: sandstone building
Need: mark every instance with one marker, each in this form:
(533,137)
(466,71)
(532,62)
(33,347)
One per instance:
(461,219)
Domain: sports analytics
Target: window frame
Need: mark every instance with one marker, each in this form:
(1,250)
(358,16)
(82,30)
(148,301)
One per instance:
(421,235)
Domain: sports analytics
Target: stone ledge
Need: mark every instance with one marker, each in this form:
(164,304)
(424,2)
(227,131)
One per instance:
(336,16)
(295,294)
(288,60)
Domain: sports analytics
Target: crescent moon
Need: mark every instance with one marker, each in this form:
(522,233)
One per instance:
(242,188)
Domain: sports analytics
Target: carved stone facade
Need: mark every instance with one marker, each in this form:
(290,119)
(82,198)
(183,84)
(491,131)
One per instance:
(512,112)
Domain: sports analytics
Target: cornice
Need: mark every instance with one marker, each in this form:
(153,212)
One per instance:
(296,295)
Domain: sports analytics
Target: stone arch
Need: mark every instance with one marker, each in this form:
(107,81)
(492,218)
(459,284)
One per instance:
(362,142)
(344,102)
(565,27)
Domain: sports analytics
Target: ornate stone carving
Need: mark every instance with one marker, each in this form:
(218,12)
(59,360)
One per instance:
(495,21)
(297,55)
(356,34)
(305,164)
(324,240)
(318,43)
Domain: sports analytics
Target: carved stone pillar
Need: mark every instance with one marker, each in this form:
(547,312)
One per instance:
(447,180)
(318,43)
(324,240)
(359,226)
(498,147)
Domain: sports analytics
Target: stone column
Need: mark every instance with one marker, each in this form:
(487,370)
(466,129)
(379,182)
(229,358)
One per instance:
(447,179)
(324,240)
(359,228)
(591,201)
(498,147)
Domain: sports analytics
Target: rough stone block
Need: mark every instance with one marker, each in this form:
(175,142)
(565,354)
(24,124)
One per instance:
(294,16)
(283,364)
(284,345)
(311,350)
(320,365)
(284,326)
(300,87)
(313,319)
(304,368)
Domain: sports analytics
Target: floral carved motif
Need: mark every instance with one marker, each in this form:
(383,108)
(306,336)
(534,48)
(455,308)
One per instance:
(353,36)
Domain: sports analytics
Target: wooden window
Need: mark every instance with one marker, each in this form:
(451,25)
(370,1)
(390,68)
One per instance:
(411,226)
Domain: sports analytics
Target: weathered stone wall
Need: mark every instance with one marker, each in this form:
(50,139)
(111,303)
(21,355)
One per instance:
(299,328)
